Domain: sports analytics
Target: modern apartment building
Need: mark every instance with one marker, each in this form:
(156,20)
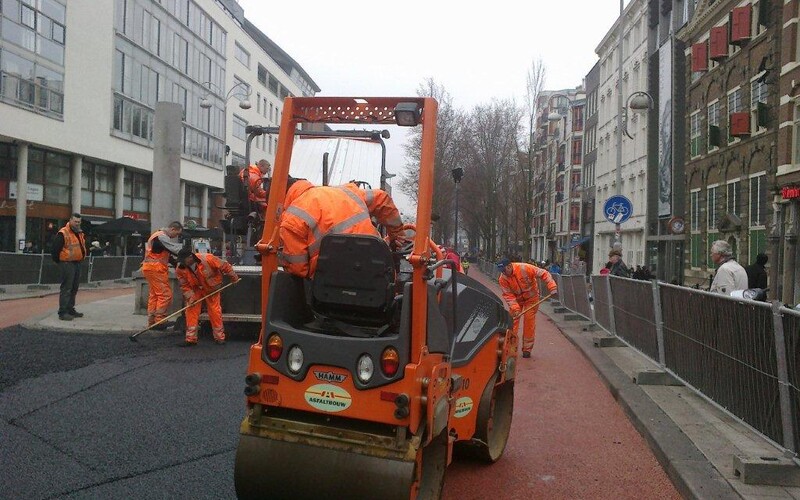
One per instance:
(633,162)
(79,82)
(732,68)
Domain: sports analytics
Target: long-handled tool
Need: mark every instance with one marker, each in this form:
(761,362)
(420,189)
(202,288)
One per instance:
(532,306)
(218,290)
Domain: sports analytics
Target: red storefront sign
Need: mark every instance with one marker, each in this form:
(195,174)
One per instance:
(790,192)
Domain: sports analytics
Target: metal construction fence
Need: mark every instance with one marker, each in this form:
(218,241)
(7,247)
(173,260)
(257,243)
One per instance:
(741,354)
(39,269)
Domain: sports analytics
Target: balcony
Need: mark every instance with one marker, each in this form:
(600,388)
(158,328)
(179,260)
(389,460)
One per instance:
(31,95)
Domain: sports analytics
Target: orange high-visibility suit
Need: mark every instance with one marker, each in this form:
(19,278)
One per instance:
(521,290)
(312,212)
(196,283)
(156,271)
(255,184)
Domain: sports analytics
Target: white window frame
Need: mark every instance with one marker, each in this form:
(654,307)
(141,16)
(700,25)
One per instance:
(735,91)
(735,195)
(241,54)
(762,223)
(796,135)
(711,208)
(754,128)
(715,105)
(695,123)
(694,206)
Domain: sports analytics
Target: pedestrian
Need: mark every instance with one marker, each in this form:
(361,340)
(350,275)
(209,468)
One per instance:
(606,270)
(199,275)
(254,176)
(730,275)
(311,212)
(757,272)
(95,250)
(465,265)
(29,248)
(68,251)
(618,267)
(157,251)
(520,286)
(555,268)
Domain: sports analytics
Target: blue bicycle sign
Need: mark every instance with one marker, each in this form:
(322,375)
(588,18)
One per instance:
(618,209)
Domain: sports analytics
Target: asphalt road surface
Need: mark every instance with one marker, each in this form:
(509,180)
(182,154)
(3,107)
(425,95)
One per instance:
(96,416)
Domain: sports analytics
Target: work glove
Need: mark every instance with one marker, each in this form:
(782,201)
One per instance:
(189,298)
(234,277)
(515,309)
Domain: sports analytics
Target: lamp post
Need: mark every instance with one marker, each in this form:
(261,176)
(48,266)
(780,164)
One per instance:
(458,174)
(205,103)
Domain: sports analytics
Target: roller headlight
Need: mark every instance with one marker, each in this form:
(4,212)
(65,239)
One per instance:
(294,360)
(366,367)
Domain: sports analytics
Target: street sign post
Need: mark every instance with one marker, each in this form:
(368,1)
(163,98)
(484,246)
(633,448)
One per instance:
(617,209)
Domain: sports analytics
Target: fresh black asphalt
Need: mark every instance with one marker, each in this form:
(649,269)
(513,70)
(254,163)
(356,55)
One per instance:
(97,416)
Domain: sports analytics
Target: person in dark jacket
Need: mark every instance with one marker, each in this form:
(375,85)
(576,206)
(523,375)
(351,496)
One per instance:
(69,249)
(757,272)
(618,268)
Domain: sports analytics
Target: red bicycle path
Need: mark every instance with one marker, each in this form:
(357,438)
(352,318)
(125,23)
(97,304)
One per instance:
(569,437)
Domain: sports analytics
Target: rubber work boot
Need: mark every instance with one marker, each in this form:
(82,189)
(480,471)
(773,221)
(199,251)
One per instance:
(220,341)
(526,354)
(75,314)
(65,317)
(186,343)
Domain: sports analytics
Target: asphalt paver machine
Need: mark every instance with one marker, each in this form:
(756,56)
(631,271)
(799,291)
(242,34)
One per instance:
(366,378)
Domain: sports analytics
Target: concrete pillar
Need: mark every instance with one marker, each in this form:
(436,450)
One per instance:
(77,176)
(789,254)
(204,207)
(164,205)
(182,206)
(22,192)
(119,192)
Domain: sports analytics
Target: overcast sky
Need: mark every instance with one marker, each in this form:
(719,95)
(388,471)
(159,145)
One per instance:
(477,50)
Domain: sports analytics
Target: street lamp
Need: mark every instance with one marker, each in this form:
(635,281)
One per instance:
(458,174)
(205,103)
(639,102)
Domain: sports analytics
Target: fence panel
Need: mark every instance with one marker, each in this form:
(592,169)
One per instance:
(725,348)
(581,289)
(568,298)
(601,302)
(634,314)
(51,273)
(132,263)
(791,333)
(20,268)
(107,268)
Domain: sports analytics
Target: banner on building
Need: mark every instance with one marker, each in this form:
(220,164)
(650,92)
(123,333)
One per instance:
(665,130)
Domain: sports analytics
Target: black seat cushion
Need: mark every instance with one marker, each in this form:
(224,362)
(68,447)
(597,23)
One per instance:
(354,279)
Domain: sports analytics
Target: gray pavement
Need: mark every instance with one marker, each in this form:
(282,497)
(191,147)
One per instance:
(99,422)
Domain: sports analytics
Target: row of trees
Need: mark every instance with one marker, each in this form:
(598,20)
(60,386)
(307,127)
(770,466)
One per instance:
(492,142)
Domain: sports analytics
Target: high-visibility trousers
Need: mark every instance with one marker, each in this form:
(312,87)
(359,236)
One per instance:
(529,325)
(214,314)
(160,298)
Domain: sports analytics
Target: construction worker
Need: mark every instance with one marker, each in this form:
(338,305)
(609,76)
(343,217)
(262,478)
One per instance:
(200,274)
(520,286)
(157,251)
(255,183)
(69,250)
(314,211)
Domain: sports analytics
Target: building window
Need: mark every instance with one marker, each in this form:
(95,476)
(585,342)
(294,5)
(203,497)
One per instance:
(30,85)
(758,105)
(758,200)
(577,119)
(239,125)
(136,196)
(97,186)
(577,151)
(714,133)
(694,206)
(732,200)
(258,102)
(52,170)
(711,208)
(262,75)
(242,91)
(760,17)
(796,134)
(193,201)
(273,85)
(241,55)
(694,136)
(734,106)
(131,119)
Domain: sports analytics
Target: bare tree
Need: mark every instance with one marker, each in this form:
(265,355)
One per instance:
(448,155)
(536,77)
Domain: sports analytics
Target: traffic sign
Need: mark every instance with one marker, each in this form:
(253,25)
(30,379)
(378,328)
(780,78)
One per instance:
(617,209)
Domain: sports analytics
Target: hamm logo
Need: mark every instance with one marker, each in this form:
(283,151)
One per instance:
(328,398)
(463,406)
(330,377)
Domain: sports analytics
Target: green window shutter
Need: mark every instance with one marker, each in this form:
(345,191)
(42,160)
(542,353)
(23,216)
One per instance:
(713,136)
(762,114)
